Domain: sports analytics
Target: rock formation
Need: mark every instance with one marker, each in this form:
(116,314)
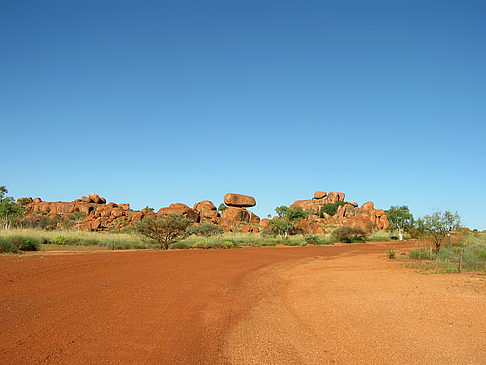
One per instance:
(93,213)
(366,217)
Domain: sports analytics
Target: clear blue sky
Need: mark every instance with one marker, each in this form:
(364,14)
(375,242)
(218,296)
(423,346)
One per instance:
(156,102)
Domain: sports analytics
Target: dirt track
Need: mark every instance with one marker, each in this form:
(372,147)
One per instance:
(311,305)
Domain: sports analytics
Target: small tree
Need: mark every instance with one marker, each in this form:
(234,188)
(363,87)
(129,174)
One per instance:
(222,207)
(9,211)
(400,218)
(164,229)
(439,225)
(349,234)
(288,217)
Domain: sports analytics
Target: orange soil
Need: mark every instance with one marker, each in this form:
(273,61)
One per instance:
(304,305)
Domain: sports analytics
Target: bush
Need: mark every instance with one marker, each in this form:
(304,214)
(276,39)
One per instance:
(163,230)
(349,234)
(60,240)
(312,239)
(207,245)
(392,254)
(229,244)
(25,243)
(178,246)
(8,246)
(422,254)
(205,229)
(330,208)
(268,233)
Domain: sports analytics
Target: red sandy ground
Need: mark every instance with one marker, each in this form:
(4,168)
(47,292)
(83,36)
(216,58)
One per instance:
(303,305)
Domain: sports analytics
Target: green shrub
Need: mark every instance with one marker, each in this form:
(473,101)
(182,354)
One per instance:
(392,254)
(205,229)
(303,243)
(178,246)
(330,208)
(229,244)
(8,246)
(422,254)
(312,239)
(349,234)
(199,244)
(268,233)
(25,243)
(60,240)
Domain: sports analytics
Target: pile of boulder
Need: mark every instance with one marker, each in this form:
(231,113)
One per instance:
(92,213)
(235,214)
(347,213)
(96,215)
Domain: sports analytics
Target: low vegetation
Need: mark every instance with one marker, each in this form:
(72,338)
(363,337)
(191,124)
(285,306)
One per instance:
(469,254)
(349,234)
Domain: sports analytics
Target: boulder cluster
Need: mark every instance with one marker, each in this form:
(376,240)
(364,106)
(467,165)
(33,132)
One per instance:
(347,213)
(92,213)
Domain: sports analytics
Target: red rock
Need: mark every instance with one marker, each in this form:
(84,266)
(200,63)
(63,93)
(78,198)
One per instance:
(37,200)
(254,218)
(246,229)
(227,224)
(116,212)
(85,199)
(125,206)
(265,223)
(368,206)
(255,230)
(320,194)
(207,210)
(239,200)
(94,225)
(180,208)
(204,205)
(236,214)
(94,198)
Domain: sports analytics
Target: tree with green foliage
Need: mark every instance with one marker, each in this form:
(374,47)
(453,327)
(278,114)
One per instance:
(164,230)
(330,208)
(222,207)
(400,219)
(9,211)
(439,225)
(288,217)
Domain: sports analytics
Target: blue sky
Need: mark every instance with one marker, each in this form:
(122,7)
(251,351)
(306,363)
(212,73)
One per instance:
(156,102)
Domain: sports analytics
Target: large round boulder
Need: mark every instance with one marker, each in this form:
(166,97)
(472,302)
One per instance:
(239,200)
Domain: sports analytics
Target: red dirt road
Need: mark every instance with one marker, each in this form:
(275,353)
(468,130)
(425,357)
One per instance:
(176,307)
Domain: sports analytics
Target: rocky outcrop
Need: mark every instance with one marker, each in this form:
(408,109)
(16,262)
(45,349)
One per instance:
(366,217)
(91,212)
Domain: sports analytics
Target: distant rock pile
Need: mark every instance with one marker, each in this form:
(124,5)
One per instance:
(92,213)
(347,213)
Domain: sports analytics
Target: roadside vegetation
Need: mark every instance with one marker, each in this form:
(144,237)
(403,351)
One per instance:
(466,255)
